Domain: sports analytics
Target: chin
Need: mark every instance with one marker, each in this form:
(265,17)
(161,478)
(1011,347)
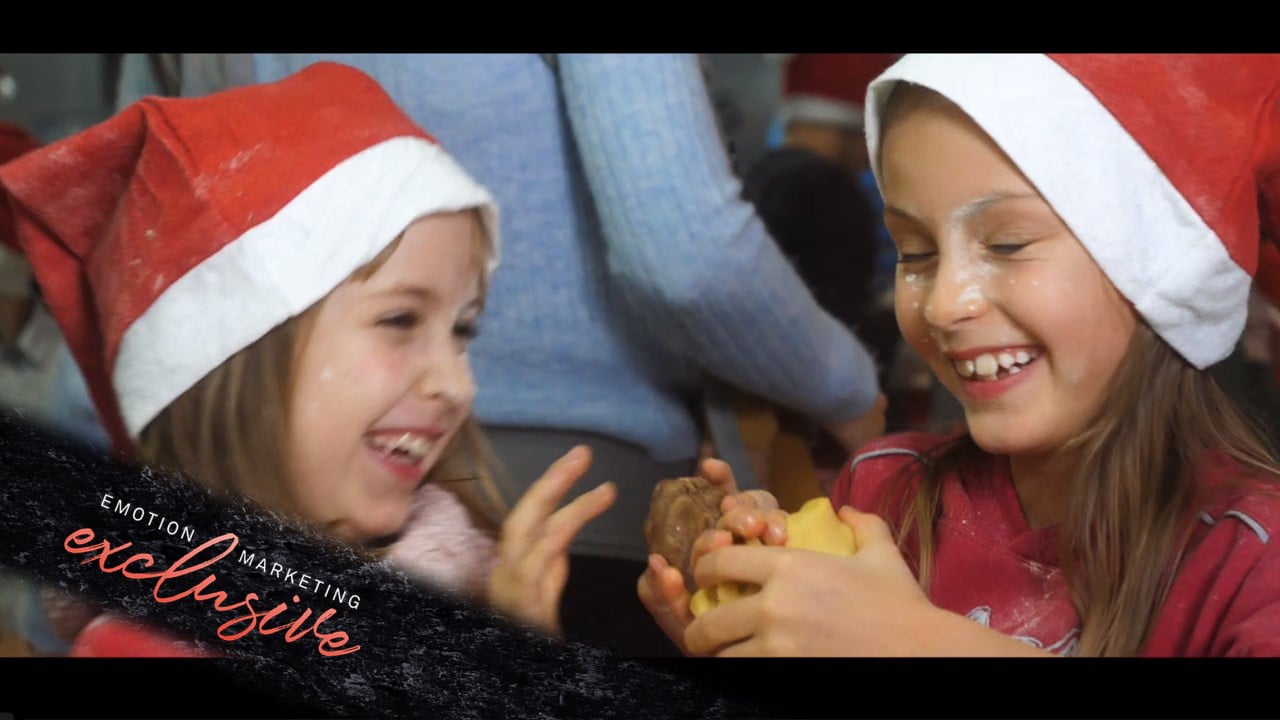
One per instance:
(994,437)
(382,524)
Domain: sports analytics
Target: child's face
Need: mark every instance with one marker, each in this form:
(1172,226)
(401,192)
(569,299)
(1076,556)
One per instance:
(383,382)
(994,291)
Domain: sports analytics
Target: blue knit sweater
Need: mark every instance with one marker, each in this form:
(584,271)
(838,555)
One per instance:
(629,261)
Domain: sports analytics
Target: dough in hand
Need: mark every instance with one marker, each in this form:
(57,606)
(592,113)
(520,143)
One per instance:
(815,526)
(680,510)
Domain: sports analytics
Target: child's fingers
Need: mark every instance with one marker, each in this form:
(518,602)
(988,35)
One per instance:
(751,523)
(743,522)
(564,525)
(749,648)
(722,625)
(708,541)
(649,584)
(868,528)
(762,499)
(543,496)
(662,589)
(662,593)
(738,563)
(719,474)
(775,531)
(671,589)
(553,583)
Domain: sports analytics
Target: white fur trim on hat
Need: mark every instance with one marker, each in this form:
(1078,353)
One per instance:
(1146,237)
(284,265)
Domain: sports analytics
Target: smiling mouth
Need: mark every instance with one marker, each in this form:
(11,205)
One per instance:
(407,448)
(995,366)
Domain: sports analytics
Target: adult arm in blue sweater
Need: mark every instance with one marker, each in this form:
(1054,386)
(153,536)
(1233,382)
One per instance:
(684,246)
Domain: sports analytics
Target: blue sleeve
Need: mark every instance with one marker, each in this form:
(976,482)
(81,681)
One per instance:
(685,247)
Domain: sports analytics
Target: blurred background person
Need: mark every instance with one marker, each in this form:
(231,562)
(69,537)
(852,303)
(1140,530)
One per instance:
(634,271)
(808,188)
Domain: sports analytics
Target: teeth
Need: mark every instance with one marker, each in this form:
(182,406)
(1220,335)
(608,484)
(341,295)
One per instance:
(415,447)
(988,365)
(985,365)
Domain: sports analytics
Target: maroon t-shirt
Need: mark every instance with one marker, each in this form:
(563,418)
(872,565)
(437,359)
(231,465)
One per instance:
(993,568)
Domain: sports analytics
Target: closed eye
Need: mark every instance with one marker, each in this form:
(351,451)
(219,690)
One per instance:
(400,321)
(1006,248)
(910,258)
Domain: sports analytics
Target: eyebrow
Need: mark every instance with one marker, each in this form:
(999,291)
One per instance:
(972,209)
(969,210)
(423,294)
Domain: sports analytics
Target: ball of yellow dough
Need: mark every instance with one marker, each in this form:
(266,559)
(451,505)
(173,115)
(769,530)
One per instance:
(815,526)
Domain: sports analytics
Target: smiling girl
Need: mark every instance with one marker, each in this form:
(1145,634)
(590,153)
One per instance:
(272,289)
(1076,237)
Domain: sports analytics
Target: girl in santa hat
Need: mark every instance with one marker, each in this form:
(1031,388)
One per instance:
(1076,240)
(271,289)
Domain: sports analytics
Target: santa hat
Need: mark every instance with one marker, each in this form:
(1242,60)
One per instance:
(829,88)
(14,141)
(1166,167)
(180,231)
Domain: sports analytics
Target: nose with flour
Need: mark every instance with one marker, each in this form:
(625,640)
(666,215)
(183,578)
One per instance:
(957,292)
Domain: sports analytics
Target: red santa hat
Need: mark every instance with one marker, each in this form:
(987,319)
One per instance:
(829,87)
(14,141)
(180,231)
(1164,166)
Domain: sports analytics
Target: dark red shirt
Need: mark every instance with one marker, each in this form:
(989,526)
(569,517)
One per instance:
(993,568)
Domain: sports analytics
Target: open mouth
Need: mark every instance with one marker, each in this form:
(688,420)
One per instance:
(988,367)
(407,448)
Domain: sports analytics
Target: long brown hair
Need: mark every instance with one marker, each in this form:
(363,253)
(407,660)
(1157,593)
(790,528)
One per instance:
(229,431)
(1132,498)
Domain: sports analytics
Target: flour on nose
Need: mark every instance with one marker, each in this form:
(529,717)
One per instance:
(971,296)
(973,275)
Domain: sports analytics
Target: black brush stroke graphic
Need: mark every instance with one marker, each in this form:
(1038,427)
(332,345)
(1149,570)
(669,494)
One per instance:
(424,652)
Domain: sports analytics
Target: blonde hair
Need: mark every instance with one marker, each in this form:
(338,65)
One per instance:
(229,431)
(1133,497)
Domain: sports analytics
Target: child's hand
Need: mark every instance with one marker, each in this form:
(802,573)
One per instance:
(662,592)
(533,560)
(747,515)
(813,604)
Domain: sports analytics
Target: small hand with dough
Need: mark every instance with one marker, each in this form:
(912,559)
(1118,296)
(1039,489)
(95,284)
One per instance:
(662,588)
(812,604)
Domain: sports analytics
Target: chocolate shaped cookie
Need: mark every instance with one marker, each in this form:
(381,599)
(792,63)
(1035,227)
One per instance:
(679,511)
